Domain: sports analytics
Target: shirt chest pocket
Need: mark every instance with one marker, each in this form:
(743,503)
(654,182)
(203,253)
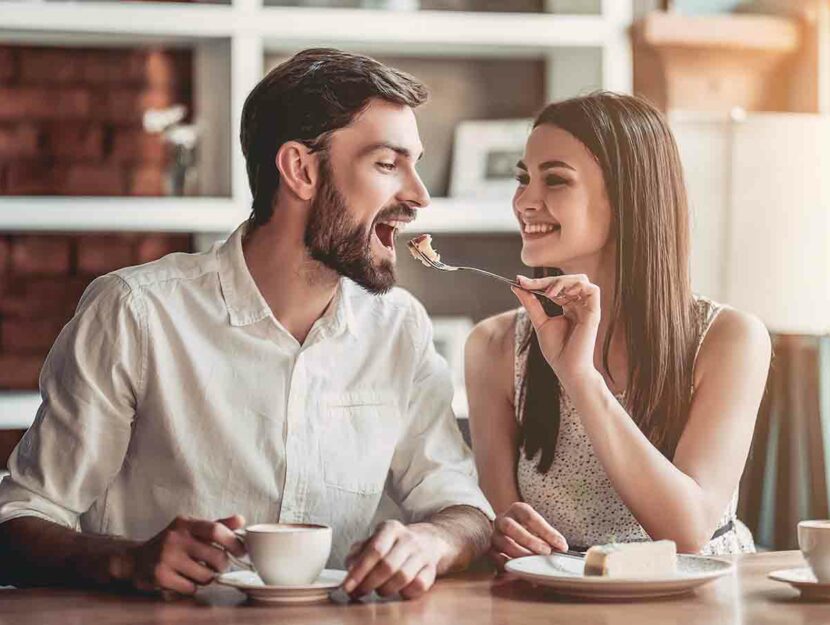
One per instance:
(360,433)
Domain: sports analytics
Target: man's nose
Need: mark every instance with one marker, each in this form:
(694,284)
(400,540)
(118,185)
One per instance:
(416,193)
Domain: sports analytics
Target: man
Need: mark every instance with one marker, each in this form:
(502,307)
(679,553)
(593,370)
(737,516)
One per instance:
(275,377)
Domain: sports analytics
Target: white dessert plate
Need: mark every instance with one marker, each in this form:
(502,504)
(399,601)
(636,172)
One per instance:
(565,575)
(258,591)
(803,579)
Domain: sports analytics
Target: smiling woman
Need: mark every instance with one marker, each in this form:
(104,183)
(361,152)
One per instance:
(624,413)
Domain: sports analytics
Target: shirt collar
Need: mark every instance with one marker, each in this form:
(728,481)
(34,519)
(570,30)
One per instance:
(245,303)
(242,297)
(339,315)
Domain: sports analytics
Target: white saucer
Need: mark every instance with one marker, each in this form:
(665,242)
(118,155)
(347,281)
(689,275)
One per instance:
(803,579)
(258,591)
(565,575)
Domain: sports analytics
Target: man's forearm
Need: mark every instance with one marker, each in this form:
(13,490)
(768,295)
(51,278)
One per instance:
(36,552)
(465,533)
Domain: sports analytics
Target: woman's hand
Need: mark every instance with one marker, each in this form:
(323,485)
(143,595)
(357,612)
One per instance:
(521,531)
(567,341)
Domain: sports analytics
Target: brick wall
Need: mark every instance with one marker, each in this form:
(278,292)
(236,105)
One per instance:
(70,119)
(70,124)
(41,279)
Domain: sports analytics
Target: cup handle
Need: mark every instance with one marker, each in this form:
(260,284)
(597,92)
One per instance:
(239,562)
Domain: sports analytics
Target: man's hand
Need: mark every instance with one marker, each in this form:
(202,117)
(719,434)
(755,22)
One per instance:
(398,558)
(187,553)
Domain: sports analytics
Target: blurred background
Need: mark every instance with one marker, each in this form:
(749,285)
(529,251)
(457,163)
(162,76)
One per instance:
(118,144)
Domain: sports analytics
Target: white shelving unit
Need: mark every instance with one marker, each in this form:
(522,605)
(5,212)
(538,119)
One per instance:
(18,409)
(230,42)
(211,215)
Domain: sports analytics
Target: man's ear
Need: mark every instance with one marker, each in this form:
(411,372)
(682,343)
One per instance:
(298,169)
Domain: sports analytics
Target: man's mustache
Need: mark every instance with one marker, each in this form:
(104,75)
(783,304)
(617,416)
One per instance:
(400,211)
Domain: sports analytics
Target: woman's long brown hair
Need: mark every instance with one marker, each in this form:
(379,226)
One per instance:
(652,300)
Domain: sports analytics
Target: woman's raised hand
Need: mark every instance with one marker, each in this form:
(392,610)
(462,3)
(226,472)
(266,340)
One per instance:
(567,341)
(521,531)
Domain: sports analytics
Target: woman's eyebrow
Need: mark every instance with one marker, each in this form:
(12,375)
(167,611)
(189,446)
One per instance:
(546,165)
(552,164)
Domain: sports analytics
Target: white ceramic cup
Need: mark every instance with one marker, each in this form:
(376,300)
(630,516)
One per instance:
(286,554)
(814,542)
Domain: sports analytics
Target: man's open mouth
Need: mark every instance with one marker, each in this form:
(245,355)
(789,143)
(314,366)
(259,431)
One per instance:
(387,230)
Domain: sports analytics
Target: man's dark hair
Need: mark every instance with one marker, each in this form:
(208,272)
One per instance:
(305,99)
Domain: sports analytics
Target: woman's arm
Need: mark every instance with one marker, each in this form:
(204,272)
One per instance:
(488,372)
(681,500)
(684,500)
(518,529)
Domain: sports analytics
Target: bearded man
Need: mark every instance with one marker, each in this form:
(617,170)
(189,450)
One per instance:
(276,377)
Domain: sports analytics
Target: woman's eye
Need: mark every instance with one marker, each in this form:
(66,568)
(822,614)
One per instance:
(387,166)
(550,180)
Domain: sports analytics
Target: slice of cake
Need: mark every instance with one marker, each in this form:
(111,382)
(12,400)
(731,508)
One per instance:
(423,244)
(648,559)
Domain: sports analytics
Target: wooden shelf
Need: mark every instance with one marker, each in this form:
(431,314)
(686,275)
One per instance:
(736,32)
(716,62)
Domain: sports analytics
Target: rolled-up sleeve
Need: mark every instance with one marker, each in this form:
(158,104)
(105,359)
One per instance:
(432,468)
(89,385)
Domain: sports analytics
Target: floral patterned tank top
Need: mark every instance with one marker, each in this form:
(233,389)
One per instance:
(575,495)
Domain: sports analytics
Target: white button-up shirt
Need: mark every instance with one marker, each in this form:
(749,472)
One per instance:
(175,390)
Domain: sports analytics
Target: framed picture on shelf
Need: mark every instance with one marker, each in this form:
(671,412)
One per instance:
(484,158)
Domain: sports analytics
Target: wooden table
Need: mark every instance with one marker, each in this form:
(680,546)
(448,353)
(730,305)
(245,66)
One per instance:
(470,598)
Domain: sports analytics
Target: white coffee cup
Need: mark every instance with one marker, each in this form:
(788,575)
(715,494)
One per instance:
(286,554)
(814,542)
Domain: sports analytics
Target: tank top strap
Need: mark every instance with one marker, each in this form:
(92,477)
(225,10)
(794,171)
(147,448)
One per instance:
(706,311)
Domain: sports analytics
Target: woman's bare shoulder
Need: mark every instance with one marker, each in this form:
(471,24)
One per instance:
(733,336)
(489,351)
(494,336)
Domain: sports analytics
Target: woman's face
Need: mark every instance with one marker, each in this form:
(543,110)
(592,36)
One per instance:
(561,203)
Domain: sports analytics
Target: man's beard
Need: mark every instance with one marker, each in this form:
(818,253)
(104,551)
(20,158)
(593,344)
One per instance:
(343,245)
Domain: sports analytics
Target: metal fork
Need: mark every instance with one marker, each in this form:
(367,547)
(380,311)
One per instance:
(437,264)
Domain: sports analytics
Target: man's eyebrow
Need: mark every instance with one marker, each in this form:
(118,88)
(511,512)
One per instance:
(385,145)
(546,165)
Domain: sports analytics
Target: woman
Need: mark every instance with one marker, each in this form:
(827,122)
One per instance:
(628,416)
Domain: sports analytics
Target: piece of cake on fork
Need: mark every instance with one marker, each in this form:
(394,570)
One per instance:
(423,244)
